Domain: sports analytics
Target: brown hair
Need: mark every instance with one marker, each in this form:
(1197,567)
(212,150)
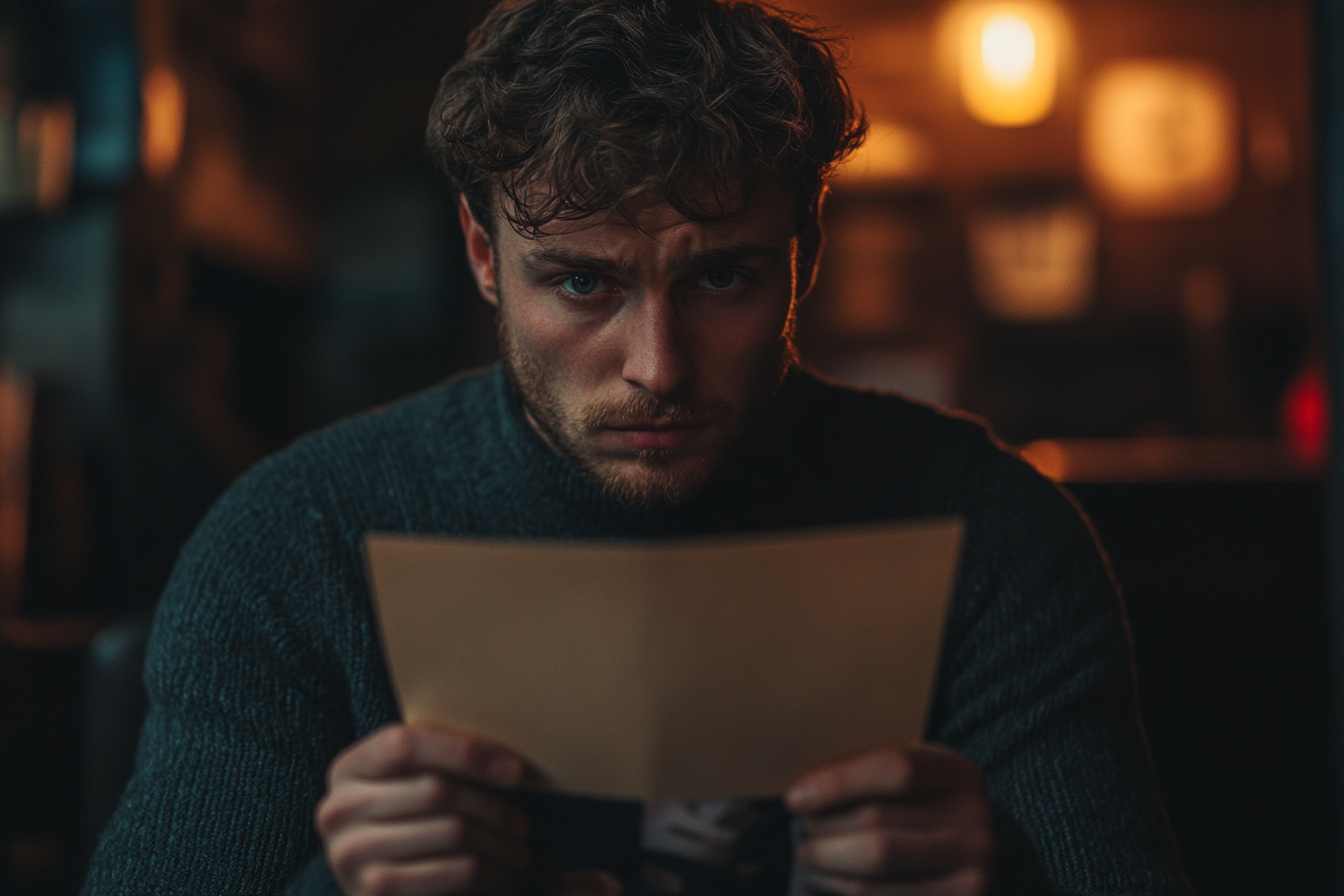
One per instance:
(563,108)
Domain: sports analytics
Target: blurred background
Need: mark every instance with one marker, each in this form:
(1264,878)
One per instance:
(1092,222)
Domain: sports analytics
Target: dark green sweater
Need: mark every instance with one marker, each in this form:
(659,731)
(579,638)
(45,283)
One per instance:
(265,660)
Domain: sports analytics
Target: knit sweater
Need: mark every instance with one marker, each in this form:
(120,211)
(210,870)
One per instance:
(265,659)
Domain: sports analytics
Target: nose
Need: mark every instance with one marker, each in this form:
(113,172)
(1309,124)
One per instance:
(656,356)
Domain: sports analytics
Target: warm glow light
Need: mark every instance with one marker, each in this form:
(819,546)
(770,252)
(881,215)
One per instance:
(1049,458)
(1161,138)
(1008,49)
(892,152)
(1008,59)
(1160,459)
(1034,263)
(164,122)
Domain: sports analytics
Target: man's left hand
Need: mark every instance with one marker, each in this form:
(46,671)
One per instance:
(908,819)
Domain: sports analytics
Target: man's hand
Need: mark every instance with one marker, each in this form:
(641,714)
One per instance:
(897,820)
(405,813)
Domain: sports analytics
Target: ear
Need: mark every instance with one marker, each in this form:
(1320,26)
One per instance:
(480,252)
(810,242)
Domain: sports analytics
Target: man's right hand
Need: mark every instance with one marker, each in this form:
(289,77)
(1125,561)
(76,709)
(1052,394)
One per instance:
(406,812)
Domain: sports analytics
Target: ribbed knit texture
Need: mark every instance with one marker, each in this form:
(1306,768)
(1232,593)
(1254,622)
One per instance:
(265,659)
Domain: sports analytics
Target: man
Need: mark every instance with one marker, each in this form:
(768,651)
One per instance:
(641,187)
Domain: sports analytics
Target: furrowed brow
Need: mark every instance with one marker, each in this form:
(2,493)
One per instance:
(729,255)
(541,259)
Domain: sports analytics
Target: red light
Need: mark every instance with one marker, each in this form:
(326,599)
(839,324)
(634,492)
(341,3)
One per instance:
(1305,416)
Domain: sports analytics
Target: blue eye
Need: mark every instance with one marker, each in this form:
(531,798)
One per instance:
(720,278)
(581,284)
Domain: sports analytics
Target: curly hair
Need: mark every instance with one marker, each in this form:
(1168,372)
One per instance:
(563,108)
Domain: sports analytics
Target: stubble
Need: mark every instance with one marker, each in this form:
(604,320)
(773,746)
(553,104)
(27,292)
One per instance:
(647,479)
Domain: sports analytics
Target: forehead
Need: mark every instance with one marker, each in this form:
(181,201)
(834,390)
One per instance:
(655,231)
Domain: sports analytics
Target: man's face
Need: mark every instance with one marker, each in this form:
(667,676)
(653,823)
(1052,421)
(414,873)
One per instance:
(642,345)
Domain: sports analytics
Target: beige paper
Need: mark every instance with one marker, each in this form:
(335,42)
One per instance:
(678,669)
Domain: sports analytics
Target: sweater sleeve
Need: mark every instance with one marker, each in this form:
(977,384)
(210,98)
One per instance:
(1037,688)
(244,712)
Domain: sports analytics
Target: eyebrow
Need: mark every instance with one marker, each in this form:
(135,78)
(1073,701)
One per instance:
(539,258)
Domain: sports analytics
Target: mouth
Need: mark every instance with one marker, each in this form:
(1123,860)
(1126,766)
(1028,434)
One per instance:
(655,434)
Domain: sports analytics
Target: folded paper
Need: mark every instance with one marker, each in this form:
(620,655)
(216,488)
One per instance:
(696,668)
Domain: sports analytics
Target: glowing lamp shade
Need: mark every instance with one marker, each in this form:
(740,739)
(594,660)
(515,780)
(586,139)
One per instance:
(1008,58)
(1008,50)
(1161,138)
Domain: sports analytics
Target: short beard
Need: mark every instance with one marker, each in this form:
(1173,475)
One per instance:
(664,478)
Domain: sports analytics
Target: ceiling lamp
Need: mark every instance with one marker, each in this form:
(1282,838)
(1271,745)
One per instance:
(1008,59)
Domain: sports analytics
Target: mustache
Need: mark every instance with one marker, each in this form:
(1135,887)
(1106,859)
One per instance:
(642,408)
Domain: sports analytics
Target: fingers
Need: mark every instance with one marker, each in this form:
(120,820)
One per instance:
(400,749)
(409,810)
(419,795)
(897,853)
(961,883)
(420,839)
(434,877)
(894,772)
(902,819)
(922,813)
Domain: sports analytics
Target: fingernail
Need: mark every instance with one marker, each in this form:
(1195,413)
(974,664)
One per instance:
(505,770)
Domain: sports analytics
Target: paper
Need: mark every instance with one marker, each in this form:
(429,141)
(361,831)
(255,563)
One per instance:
(700,668)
